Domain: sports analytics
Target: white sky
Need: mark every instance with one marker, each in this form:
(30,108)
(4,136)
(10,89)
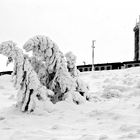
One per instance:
(73,24)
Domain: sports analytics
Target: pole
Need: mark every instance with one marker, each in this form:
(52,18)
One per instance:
(93,54)
(139,38)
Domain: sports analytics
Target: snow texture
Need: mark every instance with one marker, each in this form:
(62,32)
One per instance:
(103,118)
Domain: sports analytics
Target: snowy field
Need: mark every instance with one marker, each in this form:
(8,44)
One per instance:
(113,114)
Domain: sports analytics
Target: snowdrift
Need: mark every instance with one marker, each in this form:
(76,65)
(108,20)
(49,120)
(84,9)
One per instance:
(112,114)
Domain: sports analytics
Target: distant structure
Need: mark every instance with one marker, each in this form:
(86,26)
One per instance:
(5,72)
(115,65)
(93,41)
(137,41)
(109,66)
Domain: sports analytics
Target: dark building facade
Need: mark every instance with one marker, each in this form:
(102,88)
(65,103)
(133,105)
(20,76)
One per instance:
(5,72)
(109,66)
(137,42)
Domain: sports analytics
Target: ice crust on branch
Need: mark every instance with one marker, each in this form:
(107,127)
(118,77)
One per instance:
(81,86)
(30,91)
(40,69)
(58,78)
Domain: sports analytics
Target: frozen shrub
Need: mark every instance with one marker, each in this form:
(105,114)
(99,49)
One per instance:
(44,77)
(71,64)
(81,86)
(30,90)
(59,80)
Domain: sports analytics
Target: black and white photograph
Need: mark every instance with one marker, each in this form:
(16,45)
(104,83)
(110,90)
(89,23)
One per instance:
(69,70)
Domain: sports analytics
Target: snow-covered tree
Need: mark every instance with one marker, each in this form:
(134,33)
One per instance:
(30,91)
(58,79)
(81,86)
(71,64)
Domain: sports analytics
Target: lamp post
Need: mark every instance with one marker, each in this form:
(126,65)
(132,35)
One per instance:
(93,54)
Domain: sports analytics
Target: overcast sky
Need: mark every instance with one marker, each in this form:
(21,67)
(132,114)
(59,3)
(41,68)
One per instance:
(72,25)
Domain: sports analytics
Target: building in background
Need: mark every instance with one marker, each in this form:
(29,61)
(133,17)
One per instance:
(137,41)
(109,66)
(119,65)
(115,65)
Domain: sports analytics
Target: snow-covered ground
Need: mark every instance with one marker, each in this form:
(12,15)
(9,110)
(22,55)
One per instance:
(113,114)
